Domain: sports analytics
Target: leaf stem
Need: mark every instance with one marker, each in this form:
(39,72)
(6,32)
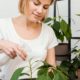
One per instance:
(30,69)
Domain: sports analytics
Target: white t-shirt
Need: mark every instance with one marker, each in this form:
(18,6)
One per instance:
(36,49)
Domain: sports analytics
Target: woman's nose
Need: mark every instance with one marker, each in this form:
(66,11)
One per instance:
(40,9)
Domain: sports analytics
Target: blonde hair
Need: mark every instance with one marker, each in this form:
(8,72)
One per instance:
(22,5)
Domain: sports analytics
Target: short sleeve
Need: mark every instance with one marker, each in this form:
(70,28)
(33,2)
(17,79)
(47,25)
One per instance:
(52,42)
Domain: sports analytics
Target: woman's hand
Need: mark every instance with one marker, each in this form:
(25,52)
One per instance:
(12,49)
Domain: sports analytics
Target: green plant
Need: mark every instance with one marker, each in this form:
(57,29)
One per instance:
(72,66)
(61,28)
(45,72)
(54,74)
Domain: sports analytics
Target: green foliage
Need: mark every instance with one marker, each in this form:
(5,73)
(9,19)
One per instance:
(61,28)
(53,74)
(17,74)
(71,67)
(44,73)
(59,75)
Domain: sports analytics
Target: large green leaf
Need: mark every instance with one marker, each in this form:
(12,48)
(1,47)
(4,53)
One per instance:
(68,34)
(66,29)
(17,74)
(44,75)
(54,74)
(59,75)
(56,26)
(63,26)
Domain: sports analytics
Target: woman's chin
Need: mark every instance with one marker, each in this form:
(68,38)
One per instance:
(36,21)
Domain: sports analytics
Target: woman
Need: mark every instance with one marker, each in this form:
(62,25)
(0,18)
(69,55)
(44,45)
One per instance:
(26,37)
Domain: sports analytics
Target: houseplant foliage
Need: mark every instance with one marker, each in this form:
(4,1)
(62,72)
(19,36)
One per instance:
(72,66)
(45,72)
(54,73)
(60,26)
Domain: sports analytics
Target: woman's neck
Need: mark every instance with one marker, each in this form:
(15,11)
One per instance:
(28,23)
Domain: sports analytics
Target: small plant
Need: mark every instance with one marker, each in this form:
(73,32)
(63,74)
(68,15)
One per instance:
(48,72)
(45,72)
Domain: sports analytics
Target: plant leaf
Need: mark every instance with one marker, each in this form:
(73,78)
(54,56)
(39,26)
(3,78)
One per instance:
(65,29)
(24,74)
(44,75)
(17,73)
(58,75)
(47,20)
(63,26)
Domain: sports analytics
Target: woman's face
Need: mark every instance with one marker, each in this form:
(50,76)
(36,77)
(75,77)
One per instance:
(37,9)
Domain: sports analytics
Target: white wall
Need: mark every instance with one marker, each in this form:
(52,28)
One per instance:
(76,19)
(8,8)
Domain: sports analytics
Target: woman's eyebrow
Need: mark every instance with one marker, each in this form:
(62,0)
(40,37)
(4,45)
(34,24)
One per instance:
(38,1)
(44,4)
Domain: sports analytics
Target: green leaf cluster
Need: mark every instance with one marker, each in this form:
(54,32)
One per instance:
(43,73)
(61,28)
(72,66)
(54,74)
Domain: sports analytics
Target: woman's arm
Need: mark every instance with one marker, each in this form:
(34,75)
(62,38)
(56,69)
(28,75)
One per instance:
(50,58)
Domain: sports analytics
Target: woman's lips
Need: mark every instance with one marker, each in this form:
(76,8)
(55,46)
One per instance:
(37,15)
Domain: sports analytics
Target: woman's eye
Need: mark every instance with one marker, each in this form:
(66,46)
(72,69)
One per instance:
(36,3)
(45,7)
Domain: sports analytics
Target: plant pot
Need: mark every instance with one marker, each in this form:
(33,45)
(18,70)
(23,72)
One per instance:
(62,52)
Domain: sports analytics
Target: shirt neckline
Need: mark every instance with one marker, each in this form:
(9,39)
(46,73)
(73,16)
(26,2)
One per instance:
(23,39)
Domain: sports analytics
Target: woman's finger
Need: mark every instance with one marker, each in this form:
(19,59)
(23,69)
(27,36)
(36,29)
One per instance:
(21,53)
(12,52)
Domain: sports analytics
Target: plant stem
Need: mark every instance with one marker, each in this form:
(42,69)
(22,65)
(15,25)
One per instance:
(30,69)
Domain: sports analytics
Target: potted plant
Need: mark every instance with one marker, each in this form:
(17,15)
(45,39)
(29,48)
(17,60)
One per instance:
(63,33)
(45,72)
(73,66)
